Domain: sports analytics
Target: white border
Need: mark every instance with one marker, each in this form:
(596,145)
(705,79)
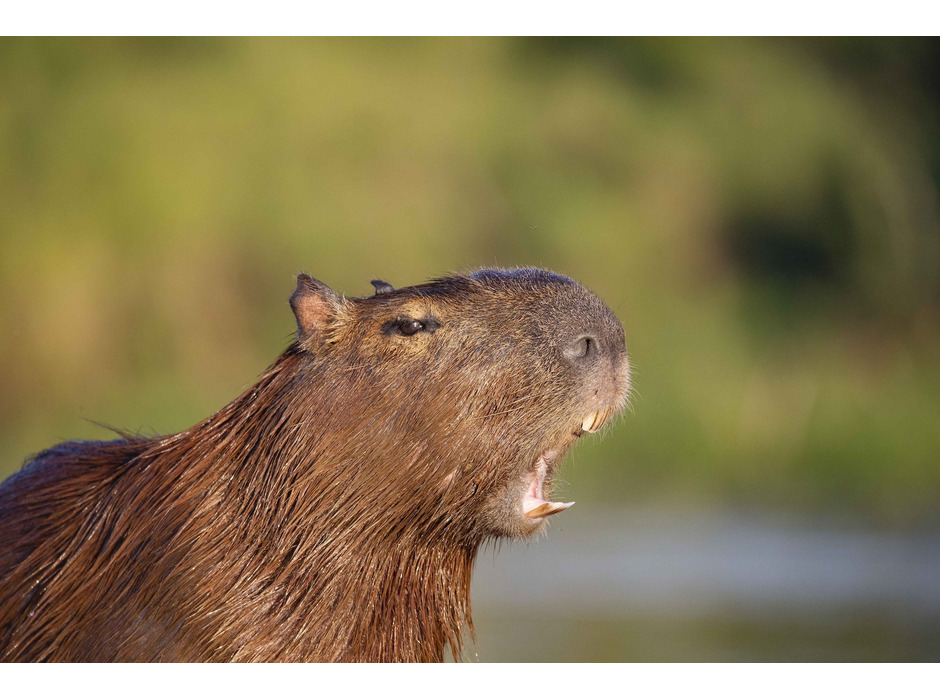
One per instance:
(481,17)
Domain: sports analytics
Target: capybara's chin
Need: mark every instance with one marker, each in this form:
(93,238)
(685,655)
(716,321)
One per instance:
(333,511)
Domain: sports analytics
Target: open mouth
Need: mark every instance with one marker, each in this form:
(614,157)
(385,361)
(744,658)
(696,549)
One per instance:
(534,503)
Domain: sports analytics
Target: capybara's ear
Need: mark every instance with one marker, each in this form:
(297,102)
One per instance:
(314,305)
(382,287)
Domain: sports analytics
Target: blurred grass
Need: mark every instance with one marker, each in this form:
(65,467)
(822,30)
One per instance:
(762,215)
(553,637)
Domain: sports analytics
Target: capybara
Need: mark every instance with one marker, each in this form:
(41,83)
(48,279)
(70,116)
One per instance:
(332,512)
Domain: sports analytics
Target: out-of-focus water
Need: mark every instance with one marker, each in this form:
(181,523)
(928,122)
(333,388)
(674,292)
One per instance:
(648,585)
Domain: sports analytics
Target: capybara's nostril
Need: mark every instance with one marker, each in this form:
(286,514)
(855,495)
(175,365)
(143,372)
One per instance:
(582,348)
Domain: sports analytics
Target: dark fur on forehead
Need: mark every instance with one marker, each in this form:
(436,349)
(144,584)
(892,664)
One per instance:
(525,280)
(510,301)
(526,277)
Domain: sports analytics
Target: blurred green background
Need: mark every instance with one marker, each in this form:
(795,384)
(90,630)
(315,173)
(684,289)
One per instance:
(763,216)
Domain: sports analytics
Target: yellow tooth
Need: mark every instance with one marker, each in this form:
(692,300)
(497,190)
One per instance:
(588,423)
(593,422)
(548,509)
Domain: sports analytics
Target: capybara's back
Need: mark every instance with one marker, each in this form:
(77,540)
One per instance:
(333,511)
(55,516)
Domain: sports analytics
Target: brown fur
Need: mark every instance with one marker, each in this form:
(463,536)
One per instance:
(332,512)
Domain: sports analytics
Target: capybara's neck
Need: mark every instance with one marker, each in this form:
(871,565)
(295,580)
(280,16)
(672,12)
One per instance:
(321,553)
(256,547)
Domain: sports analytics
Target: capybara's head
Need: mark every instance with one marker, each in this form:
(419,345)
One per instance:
(458,398)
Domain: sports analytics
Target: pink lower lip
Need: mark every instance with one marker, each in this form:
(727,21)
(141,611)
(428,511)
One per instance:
(534,504)
(533,495)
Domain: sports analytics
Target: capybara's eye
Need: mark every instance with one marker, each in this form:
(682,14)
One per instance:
(405,325)
(410,326)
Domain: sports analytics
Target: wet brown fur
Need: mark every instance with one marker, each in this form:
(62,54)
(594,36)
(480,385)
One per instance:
(332,512)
